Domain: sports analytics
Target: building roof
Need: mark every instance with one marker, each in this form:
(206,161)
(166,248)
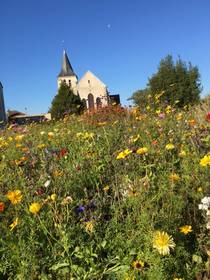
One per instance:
(89,76)
(12,113)
(66,69)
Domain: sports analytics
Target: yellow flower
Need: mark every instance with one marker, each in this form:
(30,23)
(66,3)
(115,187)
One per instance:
(142,151)
(136,138)
(174,177)
(35,207)
(50,134)
(186,229)
(133,139)
(19,137)
(205,161)
(89,226)
(58,173)
(4,144)
(25,149)
(123,154)
(14,224)
(88,135)
(182,153)
(79,134)
(163,242)
(168,109)
(199,189)
(41,146)
(14,196)
(170,146)
(106,188)
(138,265)
(179,116)
(135,111)
(20,161)
(53,196)
(178,279)
(18,145)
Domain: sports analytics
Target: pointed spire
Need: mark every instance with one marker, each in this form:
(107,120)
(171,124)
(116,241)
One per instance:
(66,69)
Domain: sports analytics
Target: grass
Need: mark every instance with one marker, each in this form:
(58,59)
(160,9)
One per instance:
(113,191)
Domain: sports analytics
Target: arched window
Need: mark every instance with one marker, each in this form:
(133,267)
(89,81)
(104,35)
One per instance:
(90,101)
(98,102)
(69,83)
(64,81)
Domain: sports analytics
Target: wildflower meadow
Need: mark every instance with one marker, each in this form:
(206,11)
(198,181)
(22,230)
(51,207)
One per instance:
(115,194)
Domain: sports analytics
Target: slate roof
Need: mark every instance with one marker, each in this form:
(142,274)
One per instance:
(66,69)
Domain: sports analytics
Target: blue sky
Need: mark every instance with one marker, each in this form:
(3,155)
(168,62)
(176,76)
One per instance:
(121,42)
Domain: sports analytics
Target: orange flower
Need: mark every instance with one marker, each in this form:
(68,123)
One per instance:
(192,122)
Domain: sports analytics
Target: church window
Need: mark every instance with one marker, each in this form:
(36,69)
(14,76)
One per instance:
(64,81)
(88,81)
(69,83)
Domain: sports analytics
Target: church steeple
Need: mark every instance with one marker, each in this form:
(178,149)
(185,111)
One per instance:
(66,69)
(67,74)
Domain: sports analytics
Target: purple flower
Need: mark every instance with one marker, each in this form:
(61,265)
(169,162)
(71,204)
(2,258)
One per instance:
(80,209)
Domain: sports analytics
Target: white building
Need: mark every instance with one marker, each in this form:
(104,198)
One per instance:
(3,118)
(91,89)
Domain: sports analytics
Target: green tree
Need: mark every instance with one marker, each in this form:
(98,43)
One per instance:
(178,82)
(141,97)
(65,102)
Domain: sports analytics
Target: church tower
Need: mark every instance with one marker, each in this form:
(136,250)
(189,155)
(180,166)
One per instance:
(3,118)
(67,74)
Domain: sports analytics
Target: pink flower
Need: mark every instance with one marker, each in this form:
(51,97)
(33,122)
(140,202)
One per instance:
(161,116)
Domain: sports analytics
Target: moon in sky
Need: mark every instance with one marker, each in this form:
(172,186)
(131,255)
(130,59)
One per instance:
(108,26)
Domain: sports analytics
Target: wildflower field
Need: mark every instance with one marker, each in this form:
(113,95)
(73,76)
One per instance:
(116,194)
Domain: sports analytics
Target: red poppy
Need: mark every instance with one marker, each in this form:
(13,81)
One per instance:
(208,117)
(2,206)
(62,153)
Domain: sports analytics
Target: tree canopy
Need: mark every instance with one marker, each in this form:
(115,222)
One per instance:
(174,83)
(65,102)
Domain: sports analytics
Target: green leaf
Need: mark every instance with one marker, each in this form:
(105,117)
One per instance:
(59,265)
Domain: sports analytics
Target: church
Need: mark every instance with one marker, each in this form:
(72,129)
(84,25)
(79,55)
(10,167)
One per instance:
(92,91)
